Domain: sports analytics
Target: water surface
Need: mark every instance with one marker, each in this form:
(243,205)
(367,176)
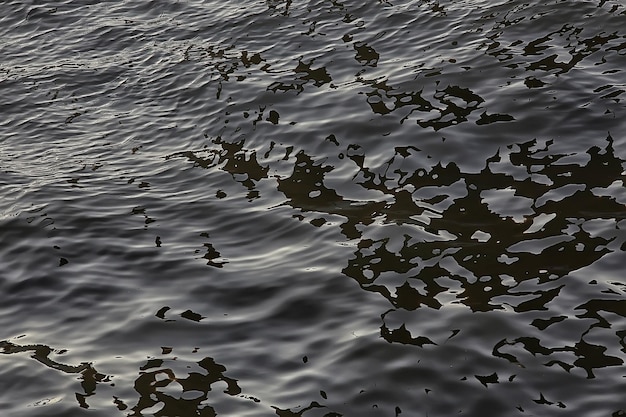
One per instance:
(314,208)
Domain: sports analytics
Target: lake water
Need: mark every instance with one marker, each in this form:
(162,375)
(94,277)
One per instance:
(313,208)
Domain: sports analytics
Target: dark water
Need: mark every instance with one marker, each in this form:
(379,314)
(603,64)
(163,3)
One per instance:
(322,208)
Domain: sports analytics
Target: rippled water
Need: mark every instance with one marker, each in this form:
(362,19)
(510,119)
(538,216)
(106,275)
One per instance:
(322,208)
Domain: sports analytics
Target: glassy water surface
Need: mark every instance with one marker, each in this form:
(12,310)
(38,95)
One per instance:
(312,208)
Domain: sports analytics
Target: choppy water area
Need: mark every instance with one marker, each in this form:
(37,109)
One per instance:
(312,208)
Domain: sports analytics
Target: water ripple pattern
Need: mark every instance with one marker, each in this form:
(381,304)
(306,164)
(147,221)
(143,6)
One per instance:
(312,208)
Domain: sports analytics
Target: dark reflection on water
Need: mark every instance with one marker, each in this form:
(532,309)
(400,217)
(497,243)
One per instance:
(151,384)
(88,375)
(479,255)
(40,353)
(161,390)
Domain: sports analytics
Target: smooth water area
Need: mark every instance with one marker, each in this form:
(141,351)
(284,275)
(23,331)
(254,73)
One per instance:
(312,208)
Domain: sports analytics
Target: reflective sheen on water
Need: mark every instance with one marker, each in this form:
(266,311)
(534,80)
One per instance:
(313,208)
